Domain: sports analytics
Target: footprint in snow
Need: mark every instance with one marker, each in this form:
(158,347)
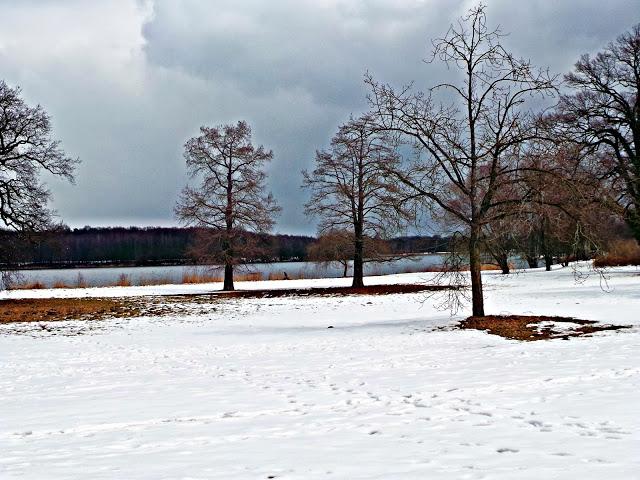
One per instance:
(507,450)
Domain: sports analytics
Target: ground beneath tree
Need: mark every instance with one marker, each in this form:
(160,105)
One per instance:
(530,328)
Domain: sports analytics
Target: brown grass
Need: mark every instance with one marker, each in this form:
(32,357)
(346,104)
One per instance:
(57,309)
(200,277)
(441,268)
(150,281)
(248,277)
(60,284)
(123,281)
(525,328)
(81,282)
(489,267)
(29,286)
(622,253)
(333,291)
(280,276)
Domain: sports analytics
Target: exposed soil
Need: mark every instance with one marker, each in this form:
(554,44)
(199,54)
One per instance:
(333,291)
(531,328)
(59,309)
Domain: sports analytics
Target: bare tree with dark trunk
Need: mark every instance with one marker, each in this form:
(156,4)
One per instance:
(468,142)
(351,191)
(227,194)
(336,246)
(500,243)
(26,151)
(603,115)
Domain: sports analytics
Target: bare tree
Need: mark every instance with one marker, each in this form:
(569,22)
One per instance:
(565,200)
(227,194)
(351,191)
(334,246)
(337,246)
(500,243)
(26,151)
(469,143)
(603,115)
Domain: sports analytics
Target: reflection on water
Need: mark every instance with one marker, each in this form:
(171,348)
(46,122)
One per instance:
(97,277)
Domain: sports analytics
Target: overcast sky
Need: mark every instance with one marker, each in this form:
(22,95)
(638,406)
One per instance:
(128,81)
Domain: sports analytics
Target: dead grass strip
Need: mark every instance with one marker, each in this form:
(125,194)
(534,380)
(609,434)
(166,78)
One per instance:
(527,328)
(61,309)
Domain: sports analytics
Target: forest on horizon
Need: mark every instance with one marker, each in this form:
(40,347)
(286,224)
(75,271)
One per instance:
(153,246)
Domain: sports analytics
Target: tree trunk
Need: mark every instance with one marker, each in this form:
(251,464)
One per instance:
(228,239)
(346,269)
(502,259)
(358,261)
(227,247)
(533,249)
(548,261)
(228,277)
(475,265)
(632,218)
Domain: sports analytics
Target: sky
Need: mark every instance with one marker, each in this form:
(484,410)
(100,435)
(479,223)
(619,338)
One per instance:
(127,82)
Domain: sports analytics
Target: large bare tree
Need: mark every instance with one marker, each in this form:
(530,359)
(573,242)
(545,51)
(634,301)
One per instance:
(603,115)
(227,193)
(350,190)
(27,149)
(468,134)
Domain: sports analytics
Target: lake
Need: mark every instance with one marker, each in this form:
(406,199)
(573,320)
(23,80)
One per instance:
(97,277)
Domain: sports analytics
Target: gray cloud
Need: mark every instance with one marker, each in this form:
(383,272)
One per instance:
(128,81)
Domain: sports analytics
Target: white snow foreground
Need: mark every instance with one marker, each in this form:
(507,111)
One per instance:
(261,388)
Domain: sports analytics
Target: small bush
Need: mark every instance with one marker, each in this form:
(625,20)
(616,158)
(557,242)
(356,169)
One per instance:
(622,253)
(489,267)
(37,285)
(81,282)
(123,281)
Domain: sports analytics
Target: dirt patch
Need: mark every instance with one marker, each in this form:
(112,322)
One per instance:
(332,291)
(59,309)
(531,328)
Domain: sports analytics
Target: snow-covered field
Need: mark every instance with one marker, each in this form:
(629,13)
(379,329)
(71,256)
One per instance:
(261,388)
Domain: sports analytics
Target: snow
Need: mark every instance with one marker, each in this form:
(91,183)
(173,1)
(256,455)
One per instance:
(261,388)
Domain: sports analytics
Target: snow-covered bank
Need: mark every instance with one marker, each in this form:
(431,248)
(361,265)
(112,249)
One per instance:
(261,387)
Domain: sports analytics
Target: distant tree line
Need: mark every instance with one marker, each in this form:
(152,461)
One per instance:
(133,246)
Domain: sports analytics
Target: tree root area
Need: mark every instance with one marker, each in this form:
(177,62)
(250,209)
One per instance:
(531,328)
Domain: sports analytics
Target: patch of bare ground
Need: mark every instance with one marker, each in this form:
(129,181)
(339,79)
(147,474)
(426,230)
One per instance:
(333,291)
(530,328)
(60,309)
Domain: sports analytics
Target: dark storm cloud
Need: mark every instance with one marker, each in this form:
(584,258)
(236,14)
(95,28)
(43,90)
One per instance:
(128,81)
